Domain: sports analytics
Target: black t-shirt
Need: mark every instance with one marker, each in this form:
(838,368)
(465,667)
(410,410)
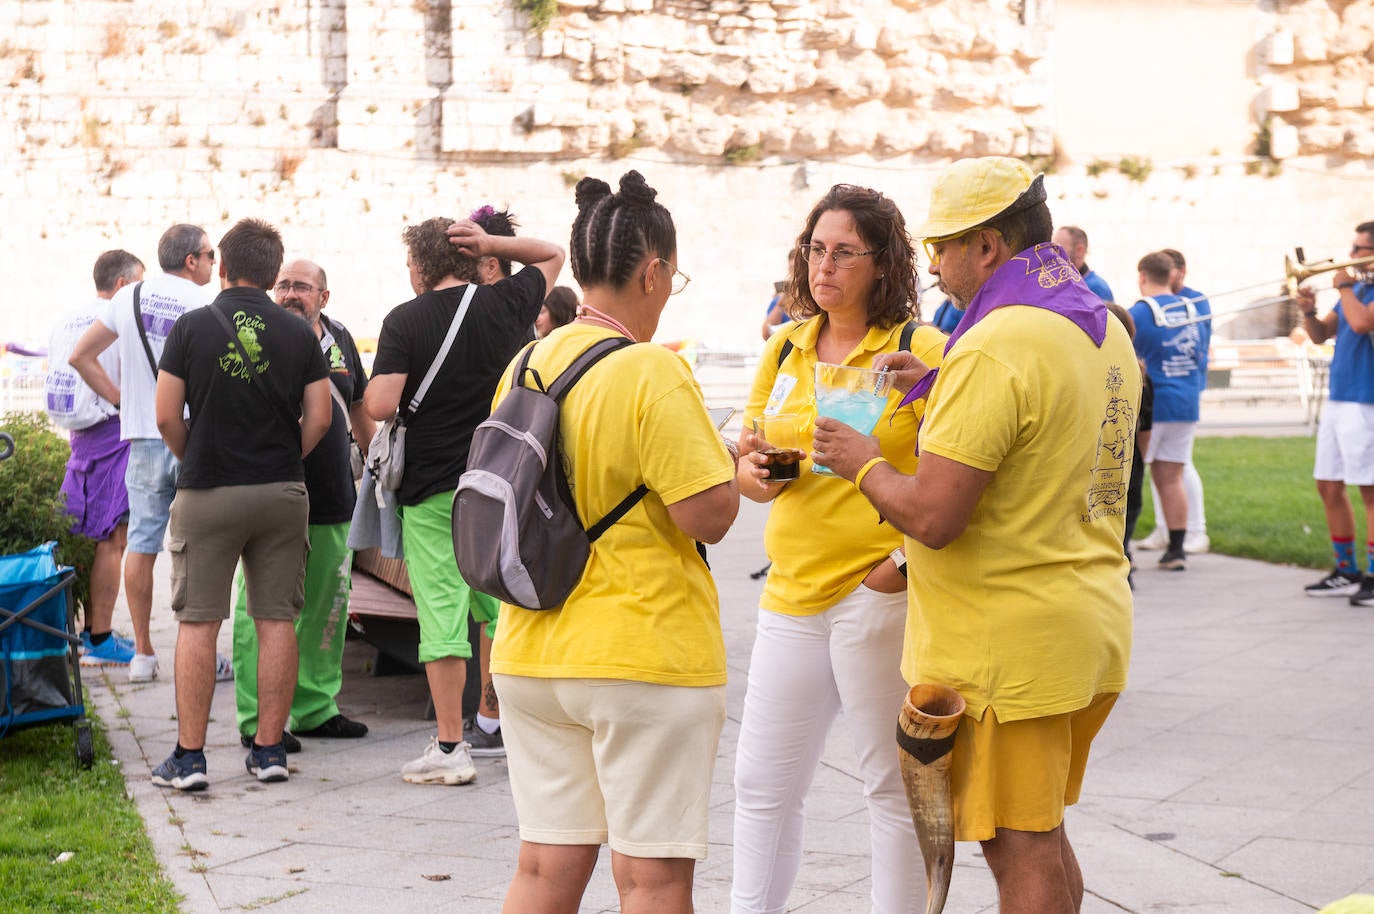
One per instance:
(237,437)
(438,435)
(328,472)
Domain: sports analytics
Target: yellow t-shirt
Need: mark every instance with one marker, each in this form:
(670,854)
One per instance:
(823,536)
(646,608)
(1029,610)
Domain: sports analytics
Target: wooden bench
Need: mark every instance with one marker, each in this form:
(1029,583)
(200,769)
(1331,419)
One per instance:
(382,612)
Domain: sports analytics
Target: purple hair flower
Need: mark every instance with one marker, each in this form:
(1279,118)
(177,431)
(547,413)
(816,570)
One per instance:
(481,214)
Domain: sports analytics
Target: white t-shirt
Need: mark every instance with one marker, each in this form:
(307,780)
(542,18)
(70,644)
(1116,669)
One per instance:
(162,300)
(71,403)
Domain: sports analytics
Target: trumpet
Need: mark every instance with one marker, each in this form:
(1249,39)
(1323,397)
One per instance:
(1297,270)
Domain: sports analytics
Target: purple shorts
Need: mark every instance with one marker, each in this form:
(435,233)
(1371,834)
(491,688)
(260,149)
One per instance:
(94,484)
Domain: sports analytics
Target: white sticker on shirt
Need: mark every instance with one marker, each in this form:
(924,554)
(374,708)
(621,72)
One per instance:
(782,389)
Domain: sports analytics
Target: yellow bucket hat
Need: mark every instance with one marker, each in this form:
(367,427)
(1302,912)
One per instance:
(971,192)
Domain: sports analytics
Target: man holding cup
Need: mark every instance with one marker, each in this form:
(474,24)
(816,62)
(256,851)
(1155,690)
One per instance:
(1014,517)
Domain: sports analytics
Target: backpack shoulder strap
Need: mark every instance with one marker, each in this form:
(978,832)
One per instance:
(559,389)
(907,332)
(574,372)
(143,333)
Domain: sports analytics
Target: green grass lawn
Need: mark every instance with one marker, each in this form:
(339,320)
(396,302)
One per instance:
(1261,501)
(48,805)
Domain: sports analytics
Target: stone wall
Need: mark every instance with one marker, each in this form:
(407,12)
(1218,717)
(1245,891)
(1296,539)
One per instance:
(343,120)
(1319,90)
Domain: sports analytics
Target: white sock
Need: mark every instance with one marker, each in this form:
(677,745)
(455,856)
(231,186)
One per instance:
(488,724)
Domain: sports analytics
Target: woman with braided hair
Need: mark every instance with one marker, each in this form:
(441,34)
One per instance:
(612,703)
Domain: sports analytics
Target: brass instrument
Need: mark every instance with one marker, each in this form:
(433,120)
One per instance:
(1297,270)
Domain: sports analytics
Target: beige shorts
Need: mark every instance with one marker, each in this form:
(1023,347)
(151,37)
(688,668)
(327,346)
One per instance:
(611,761)
(211,529)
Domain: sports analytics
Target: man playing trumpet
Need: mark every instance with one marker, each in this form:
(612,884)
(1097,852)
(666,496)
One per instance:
(1017,592)
(1345,436)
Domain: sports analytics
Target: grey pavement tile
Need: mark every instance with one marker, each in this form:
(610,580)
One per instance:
(1312,872)
(1280,779)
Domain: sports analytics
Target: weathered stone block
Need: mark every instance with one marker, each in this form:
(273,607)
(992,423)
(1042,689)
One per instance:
(685,70)
(642,64)
(1277,48)
(730,72)
(707,138)
(1283,140)
(828,34)
(1279,95)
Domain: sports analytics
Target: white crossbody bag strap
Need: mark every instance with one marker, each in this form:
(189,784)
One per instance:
(443,350)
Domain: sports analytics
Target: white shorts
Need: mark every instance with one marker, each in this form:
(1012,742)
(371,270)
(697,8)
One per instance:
(1171,442)
(612,761)
(1345,443)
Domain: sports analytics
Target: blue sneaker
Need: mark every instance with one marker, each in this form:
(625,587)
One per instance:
(185,773)
(267,763)
(110,652)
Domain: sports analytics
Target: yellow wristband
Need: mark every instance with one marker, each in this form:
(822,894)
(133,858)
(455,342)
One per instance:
(863,471)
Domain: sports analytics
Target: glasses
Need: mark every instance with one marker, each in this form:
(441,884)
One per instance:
(679,280)
(934,247)
(210,253)
(842,258)
(300,288)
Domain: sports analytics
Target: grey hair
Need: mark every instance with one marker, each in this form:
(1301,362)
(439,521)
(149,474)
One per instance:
(178,242)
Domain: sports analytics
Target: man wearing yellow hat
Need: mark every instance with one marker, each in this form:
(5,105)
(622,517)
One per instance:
(1018,596)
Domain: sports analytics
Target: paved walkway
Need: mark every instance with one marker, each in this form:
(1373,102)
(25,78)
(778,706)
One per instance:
(1236,775)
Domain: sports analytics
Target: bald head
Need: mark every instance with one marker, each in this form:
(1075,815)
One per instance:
(303,289)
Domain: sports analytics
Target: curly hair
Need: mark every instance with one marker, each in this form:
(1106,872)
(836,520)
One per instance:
(434,255)
(880,224)
(613,231)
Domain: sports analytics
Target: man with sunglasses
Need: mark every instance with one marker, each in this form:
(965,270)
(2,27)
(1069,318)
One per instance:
(1345,436)
(1018,597)
(303,289)
(138,318)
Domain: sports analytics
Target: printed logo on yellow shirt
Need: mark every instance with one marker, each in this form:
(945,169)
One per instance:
(1111,472)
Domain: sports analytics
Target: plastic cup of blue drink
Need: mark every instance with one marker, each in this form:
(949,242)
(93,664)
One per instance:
(854,396)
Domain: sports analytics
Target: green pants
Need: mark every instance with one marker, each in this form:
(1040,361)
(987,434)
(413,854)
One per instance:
(320,631)
(443,600)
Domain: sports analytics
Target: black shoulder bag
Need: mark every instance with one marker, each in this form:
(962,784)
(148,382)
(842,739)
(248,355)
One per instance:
(142,332)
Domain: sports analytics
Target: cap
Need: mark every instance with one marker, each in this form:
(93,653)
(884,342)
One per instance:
(971,192)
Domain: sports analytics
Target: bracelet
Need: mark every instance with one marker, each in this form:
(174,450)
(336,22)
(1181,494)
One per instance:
(1311,314)
(863,471)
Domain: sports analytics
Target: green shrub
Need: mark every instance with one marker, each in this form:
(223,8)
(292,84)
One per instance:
(32,508)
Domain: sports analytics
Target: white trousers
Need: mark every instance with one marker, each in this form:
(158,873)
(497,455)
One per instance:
(804,670)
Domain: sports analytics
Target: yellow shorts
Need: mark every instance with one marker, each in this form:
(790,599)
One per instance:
(1021,775)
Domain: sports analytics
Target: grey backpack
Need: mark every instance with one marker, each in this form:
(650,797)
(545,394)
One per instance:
(516,532)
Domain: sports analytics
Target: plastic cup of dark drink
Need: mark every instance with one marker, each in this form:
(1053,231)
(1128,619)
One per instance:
(779,438)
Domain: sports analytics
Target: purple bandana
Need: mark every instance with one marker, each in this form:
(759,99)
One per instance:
(1038,277)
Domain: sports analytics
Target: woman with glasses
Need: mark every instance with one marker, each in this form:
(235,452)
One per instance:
(612,704)
(833,610)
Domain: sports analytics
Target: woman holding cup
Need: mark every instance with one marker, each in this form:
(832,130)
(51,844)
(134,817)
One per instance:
(833,609)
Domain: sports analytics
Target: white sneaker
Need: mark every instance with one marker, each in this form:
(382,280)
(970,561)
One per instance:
(224,670)
(1157,541)
(1195,543)
(439,767)
(143,668)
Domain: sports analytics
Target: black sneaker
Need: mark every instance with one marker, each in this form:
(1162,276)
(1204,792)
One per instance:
(1173,560)
(482,743)
(289,742)
(337,727)
(1365,595)
(267,763)
(1336,584)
